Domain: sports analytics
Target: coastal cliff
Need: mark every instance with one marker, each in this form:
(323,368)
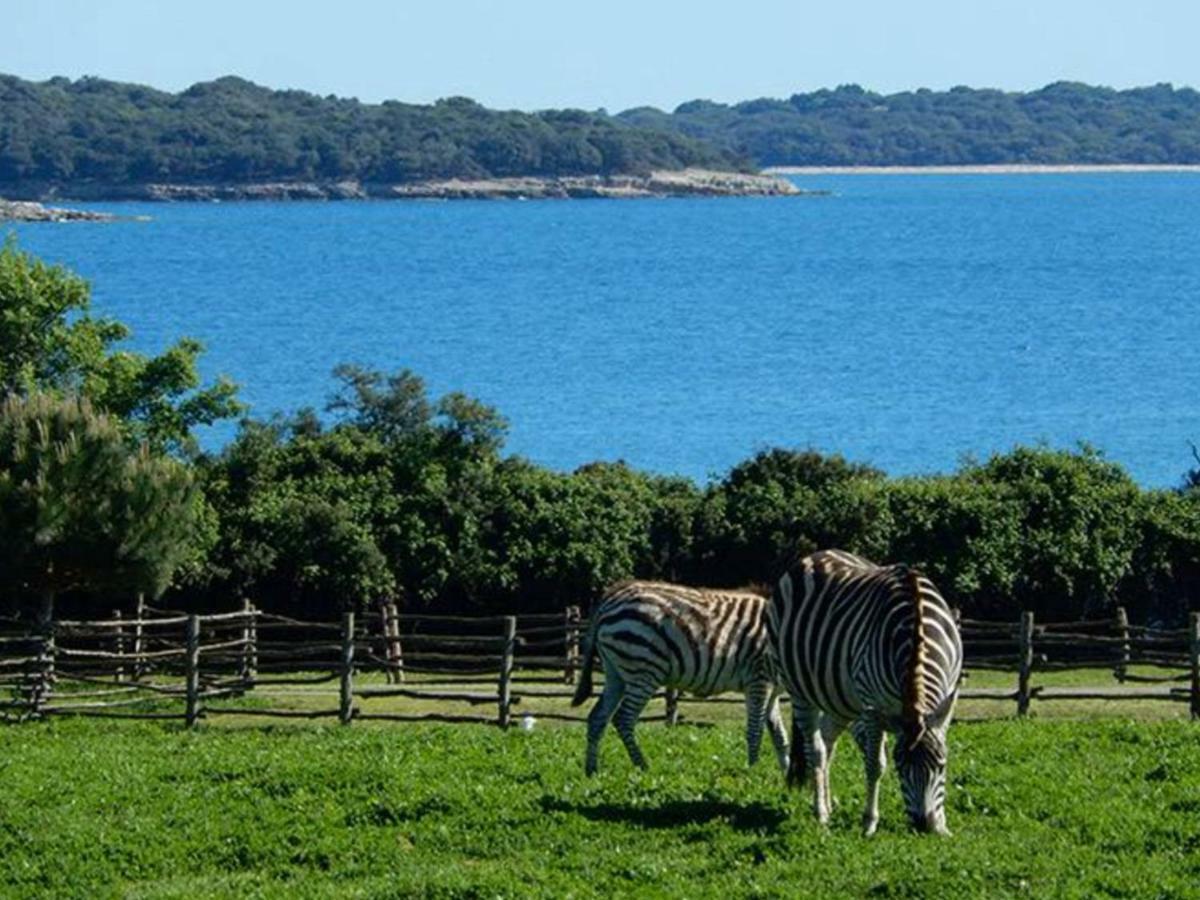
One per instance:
(681,183)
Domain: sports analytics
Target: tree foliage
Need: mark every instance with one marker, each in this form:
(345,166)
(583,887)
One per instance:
(1063,122)
(49,341)
(230,130)
(81,511)
(781,503)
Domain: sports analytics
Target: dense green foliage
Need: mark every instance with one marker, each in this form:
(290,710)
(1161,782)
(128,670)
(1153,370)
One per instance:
(80,509)
(101,809)
(62,132)
(413,498)
(230,130)
(91,500)
(1061,123)
(49,341)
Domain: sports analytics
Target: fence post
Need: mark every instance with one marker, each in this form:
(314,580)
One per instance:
(390,617)
(1194,650)
(506,669)
(346,692)
(42,686)
(1122,667)
(396,648)
(119,644)
(249,662)
(672,706)
(1025,662)
(572,644)
(385,629)
(192,673)
(138,638)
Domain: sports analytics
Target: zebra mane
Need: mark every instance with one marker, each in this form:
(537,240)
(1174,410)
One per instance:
(914,687)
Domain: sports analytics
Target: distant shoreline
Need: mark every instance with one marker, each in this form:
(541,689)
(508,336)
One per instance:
(998,169)
(665,183)
(27,211)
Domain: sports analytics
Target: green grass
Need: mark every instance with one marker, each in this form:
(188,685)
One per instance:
(121,809)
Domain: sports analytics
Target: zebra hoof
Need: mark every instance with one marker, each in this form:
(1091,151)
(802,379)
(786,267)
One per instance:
(869,827)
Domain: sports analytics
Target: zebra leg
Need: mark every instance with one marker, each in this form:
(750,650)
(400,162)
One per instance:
(806,729)
(757,698)
(631,707)
(831,730)
(870,737)
(598,718)
(778,733)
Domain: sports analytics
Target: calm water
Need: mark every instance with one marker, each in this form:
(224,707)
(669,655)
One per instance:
(904,321)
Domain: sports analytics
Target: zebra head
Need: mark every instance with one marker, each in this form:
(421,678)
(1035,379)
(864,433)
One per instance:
(921,765)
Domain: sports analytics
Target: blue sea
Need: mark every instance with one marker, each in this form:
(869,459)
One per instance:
(902,321)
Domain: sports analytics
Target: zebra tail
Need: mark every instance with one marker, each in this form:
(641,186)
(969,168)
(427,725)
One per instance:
(584,689)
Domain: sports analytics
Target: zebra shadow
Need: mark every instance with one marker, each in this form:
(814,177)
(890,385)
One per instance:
(740,816)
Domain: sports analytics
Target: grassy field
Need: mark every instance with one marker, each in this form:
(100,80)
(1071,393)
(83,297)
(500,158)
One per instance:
(1039,808)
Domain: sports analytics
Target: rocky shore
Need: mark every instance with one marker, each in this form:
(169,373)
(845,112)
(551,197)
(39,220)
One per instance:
(28,211)
(684,183)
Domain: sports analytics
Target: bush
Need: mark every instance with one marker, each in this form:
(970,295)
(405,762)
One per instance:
(785,502)
(965,534)
(1163,581)
(1078,516)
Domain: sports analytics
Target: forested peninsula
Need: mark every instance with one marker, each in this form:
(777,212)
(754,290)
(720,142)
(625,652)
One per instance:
(230,139)
(96,139)
(1062,124)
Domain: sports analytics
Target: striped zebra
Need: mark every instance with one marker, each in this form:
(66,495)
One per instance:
(652,634)
(875,648)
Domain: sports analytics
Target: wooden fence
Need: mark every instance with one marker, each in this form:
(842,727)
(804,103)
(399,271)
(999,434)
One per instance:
(160,664)
(1027,648)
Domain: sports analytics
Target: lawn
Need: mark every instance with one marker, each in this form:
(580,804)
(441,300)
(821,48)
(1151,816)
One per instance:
(1039,808)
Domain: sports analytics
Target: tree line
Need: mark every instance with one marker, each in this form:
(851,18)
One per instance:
(392,493)
(1062,123)
(63,132)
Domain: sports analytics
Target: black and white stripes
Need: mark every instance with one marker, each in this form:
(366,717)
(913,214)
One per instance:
(875,648)
(652,634)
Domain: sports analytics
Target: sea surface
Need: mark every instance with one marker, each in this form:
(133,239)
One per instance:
(902,321)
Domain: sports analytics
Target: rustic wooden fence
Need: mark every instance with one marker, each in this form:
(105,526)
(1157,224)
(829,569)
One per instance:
(160,664)
(1027,648)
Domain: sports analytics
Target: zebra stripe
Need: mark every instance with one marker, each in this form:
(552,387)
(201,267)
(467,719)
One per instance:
(652,634)
(875,648)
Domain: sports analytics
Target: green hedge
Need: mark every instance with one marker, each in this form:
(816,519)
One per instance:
(413,505)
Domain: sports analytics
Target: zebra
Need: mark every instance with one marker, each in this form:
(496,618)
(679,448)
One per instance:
(650,634)
(876,648)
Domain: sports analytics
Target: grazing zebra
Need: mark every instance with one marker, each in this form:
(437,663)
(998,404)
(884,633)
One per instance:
(650,634)
(876,648)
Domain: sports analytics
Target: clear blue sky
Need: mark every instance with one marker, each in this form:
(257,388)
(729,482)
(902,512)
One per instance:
(537,53)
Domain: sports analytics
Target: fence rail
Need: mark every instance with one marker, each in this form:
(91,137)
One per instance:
(163,664)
